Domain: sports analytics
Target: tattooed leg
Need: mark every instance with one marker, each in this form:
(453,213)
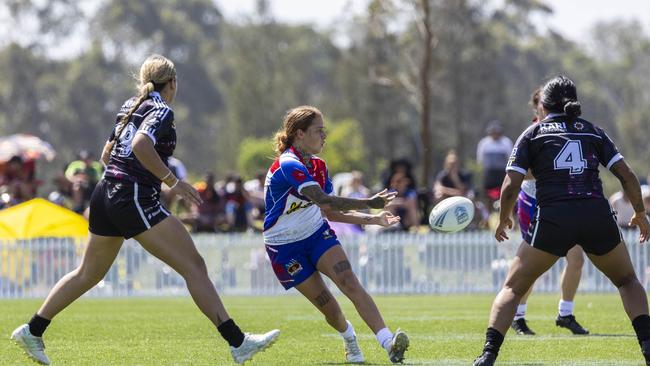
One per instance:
(316,291)
(335,264)
(323,298)
(342,266)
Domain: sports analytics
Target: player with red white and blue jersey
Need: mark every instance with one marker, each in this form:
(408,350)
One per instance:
(301,245)
(564,152)
(570,279)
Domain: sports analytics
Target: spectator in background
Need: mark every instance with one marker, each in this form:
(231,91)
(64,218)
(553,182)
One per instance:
(623,207)
(452,180)
(92,169)
(178,169)
(238,205)
(17,183)
(492,155)
(255,189)
(424,195)
(400,166)
(355,188)
(62,193)
(405,204)
(351,188)
(209,215)
(83,174)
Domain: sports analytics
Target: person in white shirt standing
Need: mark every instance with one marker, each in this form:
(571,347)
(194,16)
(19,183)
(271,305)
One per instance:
(492,155)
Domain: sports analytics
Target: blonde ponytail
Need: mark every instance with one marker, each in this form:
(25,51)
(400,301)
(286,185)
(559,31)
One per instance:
(156,70)
(282,142)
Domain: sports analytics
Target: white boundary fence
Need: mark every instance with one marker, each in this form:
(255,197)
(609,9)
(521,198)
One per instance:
(395,263)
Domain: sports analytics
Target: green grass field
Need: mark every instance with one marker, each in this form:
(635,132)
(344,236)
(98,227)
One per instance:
(444,330)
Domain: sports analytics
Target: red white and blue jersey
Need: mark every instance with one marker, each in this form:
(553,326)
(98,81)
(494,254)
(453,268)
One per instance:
(289,216)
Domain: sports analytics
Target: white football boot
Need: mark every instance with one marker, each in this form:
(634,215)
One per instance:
(252,344)
(32,345)
(353,353)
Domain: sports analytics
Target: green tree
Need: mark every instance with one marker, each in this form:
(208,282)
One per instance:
(273,67)
(255,156)
(19,92)
(345,148)
(189,33)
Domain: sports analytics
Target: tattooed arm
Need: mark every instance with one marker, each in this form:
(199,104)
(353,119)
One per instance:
(336,203)
(383,218)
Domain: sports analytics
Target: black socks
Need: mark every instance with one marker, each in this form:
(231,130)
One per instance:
(231,333)
(38,325)
(641,326)
(493,341)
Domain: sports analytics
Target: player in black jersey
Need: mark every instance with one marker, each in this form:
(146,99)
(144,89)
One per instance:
(563,153)
(570,279)
(126,204)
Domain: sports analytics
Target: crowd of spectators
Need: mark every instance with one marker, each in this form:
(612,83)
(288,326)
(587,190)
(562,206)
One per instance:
(235,205)
(17,181)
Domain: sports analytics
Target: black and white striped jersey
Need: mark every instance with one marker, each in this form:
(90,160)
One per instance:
(154,119)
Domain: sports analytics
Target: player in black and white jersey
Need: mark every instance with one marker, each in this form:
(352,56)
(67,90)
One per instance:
(563,153)
(126,204)
(570,279)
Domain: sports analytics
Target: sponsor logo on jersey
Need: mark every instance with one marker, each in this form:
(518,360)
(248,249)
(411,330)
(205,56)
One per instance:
(461,215)
(298,176)
(579,126)
(327,234)
(293,267)
(295,206)
(551,127)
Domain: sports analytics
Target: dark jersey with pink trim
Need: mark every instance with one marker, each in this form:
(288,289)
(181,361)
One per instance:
(154,119)
(564,156)
(289,216)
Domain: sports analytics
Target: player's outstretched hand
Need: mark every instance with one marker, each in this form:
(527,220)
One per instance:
(387,219)
(500,233)
(381,199)
(187,192)
(641,220)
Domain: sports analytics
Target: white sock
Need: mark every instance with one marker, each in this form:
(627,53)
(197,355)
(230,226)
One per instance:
(349,331)
(521,311)
(384,337)
(565,308)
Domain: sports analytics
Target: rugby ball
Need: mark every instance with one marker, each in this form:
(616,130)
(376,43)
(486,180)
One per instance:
(451,214)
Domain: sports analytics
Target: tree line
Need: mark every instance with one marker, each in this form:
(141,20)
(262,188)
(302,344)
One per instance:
(413,78)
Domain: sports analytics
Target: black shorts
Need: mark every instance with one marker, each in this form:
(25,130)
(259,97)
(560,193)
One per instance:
(122,208)
(590,223)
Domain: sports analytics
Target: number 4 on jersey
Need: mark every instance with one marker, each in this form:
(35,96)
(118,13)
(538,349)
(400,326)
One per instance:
(570,157)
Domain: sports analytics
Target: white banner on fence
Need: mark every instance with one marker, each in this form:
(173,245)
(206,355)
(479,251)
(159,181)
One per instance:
(395,263)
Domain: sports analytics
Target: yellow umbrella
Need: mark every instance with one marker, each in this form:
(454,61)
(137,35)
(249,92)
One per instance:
(36,218)
(39,218)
